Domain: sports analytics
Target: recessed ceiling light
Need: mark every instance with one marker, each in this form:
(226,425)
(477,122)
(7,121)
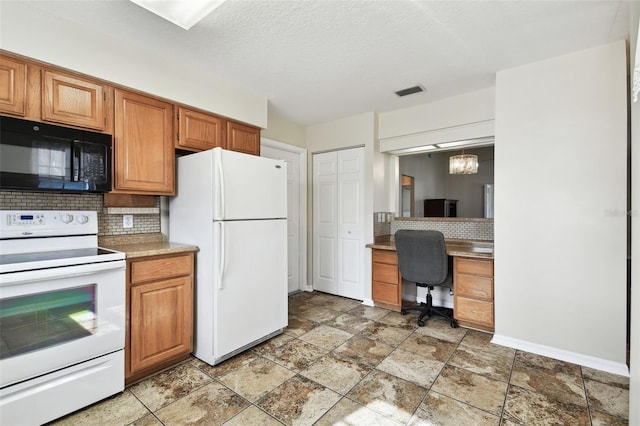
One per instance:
(410,91)
(183,13)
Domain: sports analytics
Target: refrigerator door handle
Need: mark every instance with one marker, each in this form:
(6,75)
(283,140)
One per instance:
(221,188)
(222,259)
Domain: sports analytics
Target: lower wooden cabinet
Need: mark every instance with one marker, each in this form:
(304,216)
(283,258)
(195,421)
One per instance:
(386,281)
(159,313)
(473,292)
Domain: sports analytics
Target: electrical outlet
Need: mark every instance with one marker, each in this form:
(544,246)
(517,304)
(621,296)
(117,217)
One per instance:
(127,221)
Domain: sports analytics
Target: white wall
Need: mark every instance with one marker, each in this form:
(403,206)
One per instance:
(560,237)
(286,131)
(353,131)
(634,383)
(467,116)
(33,33)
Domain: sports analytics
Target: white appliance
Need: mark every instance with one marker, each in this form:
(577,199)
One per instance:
(233,206)
(62,315)
(488,200)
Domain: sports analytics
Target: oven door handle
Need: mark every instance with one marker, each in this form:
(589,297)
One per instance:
(23,277)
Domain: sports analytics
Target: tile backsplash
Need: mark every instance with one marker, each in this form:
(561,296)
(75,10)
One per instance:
(108,224)
(472,229)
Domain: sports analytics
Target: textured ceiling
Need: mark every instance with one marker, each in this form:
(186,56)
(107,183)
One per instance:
(319,60)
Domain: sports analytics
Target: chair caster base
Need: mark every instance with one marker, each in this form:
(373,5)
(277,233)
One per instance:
(454,324)
(420,323)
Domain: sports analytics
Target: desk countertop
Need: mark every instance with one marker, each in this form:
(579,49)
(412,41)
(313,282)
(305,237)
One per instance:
(463,248)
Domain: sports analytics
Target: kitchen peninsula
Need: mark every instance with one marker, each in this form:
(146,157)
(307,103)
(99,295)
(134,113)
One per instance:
(472,279)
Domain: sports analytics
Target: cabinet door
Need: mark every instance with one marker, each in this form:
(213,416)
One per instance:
(72,100)
(143,145)
(13,86)
(243,138)
(161,321)
(198,131)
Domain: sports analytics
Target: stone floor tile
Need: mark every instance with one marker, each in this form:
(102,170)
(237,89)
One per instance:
(396,319)
(349,413)
(298,326)
(485,363)
(390,335)
(341,303)
(440,328)
(388,395)
(210,405)
(606,378)
(608,399)
(168,386)
(604,419)
(148,420)
(326,337)
(365,350)
(227,366)
(539,361)
(319,314)
(336,372)
(474,389)
(415,368)
(553,384)
(252,416)
(437,409)
(299,401)
(257,378)
(120,409)
(429,346)
(349,323)
(532,408)
(296,355)
(272,344)
(368,312)
(482,341)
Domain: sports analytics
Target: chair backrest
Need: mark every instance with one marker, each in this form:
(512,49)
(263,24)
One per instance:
(422,256)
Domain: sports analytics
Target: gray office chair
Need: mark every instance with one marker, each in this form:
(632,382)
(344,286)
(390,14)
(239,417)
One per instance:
(422,258)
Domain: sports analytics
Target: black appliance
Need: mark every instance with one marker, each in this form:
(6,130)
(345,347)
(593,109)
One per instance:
(44,157)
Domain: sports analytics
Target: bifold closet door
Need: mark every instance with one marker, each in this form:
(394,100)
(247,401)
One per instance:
(338,222)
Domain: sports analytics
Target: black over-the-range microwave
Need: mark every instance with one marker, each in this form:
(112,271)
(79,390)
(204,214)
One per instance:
(44,157)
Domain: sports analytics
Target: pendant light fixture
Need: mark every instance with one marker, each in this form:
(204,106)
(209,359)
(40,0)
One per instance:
(463,164)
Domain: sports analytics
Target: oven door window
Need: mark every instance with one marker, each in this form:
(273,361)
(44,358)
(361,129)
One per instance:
(41,320)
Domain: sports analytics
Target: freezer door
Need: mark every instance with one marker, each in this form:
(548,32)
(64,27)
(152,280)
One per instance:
(248,187)
(250,282)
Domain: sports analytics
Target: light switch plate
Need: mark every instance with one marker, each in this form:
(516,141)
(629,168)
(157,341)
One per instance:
(127,221)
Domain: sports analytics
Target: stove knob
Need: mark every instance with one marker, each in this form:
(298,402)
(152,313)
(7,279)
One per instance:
(66,218)
(82,219)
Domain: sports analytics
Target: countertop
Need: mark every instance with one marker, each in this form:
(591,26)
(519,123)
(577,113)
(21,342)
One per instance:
(463,248)
(143,245)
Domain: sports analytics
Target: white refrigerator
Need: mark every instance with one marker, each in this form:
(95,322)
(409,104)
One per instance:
(233,206)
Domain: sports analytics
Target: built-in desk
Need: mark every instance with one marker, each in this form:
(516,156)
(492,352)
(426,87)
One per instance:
(472,279)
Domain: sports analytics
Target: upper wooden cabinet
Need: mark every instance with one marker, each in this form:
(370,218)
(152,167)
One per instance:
(13,86)
(243,138)
(72,100)
(143,145)
(198,131)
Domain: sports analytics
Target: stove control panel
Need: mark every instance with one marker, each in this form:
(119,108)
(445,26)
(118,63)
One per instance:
(22,223)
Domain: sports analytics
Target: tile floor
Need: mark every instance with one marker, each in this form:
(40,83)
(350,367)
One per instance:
(342,363)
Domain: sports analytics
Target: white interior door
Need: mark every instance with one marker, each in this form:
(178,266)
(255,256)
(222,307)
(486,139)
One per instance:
(293,212)
(350,223)
(338,219)
(325,222)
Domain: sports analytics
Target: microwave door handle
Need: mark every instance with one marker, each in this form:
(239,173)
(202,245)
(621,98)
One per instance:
(77,158)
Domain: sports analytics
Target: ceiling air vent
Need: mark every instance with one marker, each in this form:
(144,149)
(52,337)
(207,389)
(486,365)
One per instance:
(409,91)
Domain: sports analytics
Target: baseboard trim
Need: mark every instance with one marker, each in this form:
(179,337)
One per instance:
(368,302)
(562,355)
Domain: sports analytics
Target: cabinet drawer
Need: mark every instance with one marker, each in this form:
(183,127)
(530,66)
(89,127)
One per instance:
(163,267)
(474,287)
(475,311)
(474,267)
(385,292)
(385,273)
(385,256)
